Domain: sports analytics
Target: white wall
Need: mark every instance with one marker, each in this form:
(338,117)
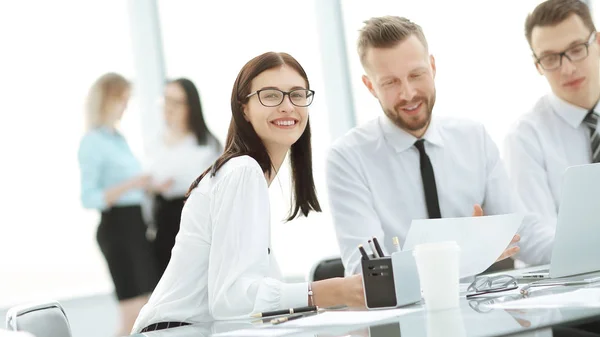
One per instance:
(52,51)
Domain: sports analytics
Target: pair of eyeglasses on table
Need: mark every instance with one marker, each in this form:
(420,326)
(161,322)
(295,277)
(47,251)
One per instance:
(491,284)
(533,289)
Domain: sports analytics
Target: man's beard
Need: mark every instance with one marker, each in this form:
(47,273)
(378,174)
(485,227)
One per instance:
(412,123)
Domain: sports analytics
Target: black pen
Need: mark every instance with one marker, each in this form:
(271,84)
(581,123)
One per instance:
(286,311)
(280,320)
(363,253)
(378,247)
(332,308)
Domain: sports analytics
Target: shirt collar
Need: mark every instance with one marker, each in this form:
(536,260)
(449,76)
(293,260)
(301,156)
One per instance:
(401,140)
(571,113)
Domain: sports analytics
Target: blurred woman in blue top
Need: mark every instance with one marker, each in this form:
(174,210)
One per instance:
(112,182)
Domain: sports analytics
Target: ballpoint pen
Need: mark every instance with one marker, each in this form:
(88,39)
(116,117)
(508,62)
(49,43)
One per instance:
(280,320)
(332,308)
(286,311)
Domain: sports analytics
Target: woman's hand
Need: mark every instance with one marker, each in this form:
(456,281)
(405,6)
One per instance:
(353,291)
(142,181)
(339,291)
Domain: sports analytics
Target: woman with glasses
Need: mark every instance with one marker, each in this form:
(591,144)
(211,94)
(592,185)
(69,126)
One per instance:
(186,148)
(222,265)
(112,182)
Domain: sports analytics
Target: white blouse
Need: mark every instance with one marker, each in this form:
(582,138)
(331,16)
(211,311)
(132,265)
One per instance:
(222,266)
(183,162)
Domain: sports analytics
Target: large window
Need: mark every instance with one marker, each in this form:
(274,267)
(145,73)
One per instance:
(52,52)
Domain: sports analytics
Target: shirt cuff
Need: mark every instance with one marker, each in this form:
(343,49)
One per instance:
(294,295)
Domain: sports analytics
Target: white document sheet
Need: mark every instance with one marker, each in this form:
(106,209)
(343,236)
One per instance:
(342,318)
(258,333)
(481,239)
(588,298)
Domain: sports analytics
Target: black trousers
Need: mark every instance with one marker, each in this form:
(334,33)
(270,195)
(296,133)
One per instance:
(122,239)
(167,215)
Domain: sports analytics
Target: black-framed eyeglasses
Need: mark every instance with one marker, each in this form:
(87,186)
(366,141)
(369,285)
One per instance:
(482,305)
(491,284)
(274,97)
(574,53)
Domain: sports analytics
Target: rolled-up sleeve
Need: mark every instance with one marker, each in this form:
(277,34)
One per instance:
(90,165)
(239,279)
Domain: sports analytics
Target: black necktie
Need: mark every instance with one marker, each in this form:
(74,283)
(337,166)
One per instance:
(591,120)
(431,196)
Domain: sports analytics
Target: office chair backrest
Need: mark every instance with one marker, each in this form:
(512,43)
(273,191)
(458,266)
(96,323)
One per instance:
(326,269)
(44,319)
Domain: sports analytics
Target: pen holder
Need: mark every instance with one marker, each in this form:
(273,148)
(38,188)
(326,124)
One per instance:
(391,282)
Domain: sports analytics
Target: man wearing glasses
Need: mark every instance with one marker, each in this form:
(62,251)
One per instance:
(408,164)
(560,130)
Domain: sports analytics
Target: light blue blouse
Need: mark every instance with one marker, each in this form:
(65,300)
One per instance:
(105,160)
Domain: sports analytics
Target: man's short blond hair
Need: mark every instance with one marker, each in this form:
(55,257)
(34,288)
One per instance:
(387,32)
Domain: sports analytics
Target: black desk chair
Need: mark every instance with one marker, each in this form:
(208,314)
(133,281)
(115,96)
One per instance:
(327,268)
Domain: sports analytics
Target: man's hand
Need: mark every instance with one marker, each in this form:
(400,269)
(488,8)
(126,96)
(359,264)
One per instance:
(477,210)
(510,251)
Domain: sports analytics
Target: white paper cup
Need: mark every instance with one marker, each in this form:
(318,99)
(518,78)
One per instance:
(438,268)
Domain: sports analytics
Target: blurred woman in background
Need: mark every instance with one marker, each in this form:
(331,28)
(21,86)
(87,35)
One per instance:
(112,182)
(186,149)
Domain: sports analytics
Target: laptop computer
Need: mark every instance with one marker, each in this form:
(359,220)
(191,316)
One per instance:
(576,247)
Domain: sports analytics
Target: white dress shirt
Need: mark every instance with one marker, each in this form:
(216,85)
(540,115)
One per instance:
(538,150)
(375,186)
(182,162)
(220,266)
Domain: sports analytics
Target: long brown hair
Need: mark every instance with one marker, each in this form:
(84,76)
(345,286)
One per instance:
(243,140)
(195,118)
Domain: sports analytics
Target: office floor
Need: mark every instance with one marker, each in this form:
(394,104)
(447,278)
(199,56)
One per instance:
(93,316)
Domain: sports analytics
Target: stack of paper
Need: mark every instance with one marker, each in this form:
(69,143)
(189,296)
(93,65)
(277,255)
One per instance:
(258,333)
(588,298)
(326,319)
(344,318)
(481,239)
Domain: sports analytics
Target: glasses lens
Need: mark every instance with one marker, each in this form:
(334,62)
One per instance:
(577,53)
(270,97)
(301,97)
(549,62)
(502,281)
(480,284)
